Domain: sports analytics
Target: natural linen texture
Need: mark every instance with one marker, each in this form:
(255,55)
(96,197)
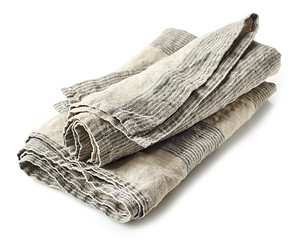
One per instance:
(123,141)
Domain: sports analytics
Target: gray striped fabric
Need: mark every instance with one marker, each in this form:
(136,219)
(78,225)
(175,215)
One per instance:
(193,144)
(55,167)
(189,97)
(170,41)
(217,70)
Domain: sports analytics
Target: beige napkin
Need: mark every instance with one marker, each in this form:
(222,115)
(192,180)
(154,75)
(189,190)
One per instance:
(121,142)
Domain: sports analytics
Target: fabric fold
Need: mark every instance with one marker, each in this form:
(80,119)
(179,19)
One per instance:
(132,186)
(122,142)
(163,100)
(166,44)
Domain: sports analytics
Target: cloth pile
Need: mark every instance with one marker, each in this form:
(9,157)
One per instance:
(123,141)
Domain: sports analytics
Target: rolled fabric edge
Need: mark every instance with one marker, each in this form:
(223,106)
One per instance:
(129,188)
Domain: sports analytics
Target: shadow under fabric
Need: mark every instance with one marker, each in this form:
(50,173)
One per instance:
(121,142)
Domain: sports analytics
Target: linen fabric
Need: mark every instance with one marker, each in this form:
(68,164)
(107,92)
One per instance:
(123,141)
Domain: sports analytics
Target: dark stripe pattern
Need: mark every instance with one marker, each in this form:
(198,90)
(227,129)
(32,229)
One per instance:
(159,102)
(52,164)
(254,67)
(194,144)
(171,40)
(148,121)
(260,94)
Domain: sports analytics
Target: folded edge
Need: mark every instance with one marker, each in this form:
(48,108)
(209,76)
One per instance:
(129,188)
(137,118)
(167,43)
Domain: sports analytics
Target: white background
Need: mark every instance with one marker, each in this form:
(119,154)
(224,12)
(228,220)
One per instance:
(244,190)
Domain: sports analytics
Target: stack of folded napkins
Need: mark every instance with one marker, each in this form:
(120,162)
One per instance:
(121,142)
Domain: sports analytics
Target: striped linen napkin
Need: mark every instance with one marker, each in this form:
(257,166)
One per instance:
(123,141)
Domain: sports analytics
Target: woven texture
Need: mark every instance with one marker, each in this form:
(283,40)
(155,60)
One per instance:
(121,142)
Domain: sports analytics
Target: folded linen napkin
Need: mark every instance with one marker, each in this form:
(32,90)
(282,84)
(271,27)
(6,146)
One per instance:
(181,97)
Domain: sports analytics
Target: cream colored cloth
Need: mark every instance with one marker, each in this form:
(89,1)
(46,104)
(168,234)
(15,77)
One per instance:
(122,142)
